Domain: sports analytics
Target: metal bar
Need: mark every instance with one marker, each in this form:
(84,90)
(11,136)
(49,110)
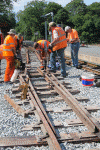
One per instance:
(32,140)
(44,117)
(91,70)
(20,141)
(27,55)
(83,114)
(55,144)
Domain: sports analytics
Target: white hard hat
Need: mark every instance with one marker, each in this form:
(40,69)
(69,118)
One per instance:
(67,28)
(52,24)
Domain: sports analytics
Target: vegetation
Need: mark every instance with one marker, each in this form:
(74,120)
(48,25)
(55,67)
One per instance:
(7,18)
(31,21)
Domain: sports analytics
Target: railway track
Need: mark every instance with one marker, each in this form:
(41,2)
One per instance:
(86,66)
(36,90)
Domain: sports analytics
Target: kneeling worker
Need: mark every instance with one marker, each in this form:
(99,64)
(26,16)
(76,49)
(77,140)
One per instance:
(8,54)
(43,47)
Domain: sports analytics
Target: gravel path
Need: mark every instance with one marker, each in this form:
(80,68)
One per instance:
(11,122)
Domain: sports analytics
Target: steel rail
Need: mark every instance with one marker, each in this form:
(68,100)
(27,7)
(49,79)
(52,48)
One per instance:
(27,55)
(81,112)
(49,128)
(86,66)
(96,71)
(39,58)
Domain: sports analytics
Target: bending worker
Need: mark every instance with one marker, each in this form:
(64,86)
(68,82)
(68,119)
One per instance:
(18,44)
(59,44)
(8,54)
(42,46)
(74,40)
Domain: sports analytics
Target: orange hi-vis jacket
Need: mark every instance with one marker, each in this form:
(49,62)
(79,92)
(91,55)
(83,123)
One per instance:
(44,45)
(8,45)
(72,35)
(1,51)
(18,42)
(43,50)
(62,43)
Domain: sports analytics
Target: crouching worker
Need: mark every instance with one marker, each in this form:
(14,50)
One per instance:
(8,54)
(44,51)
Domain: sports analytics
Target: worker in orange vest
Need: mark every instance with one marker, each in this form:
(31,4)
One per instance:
(74,41)
(8,53)
(59,43)
(18,44)
(42,46)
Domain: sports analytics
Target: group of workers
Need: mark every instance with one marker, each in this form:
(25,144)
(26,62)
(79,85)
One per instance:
(13,42)
(10,48)
(57,46)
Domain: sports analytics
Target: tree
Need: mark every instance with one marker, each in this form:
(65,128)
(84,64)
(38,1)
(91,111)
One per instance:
(76,7)
(52,7)
(6,5)
(61,17)
(7,18)
(30,20)
(85,19)
(91,24)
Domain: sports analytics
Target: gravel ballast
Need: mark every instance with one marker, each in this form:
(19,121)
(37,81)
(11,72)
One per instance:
(11,122)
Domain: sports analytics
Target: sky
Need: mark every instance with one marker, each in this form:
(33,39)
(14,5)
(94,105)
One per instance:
(21,3)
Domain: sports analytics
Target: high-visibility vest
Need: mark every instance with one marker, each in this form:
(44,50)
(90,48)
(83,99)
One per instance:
(18,43)
(72,35)
(42,45)
(62,43)
(1,51)
(9,43)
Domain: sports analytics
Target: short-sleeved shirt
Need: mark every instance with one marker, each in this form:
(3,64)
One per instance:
(55,34)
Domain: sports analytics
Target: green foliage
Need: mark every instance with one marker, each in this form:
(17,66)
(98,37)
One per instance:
(76,7)
(30,20)
(5,6)
(52,7)
(61,17)
(7,22)
(7,18)
(85,19)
